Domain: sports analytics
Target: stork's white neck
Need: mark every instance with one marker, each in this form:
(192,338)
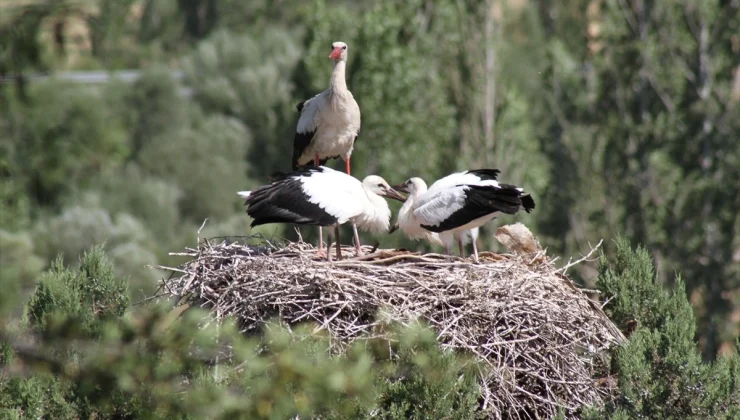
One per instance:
(406,218)
(338,84)
(376,217)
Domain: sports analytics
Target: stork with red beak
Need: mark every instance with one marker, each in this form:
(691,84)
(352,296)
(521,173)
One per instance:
(329,123)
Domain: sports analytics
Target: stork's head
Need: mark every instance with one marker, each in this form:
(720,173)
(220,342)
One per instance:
(378,186)
(338,51)
(413,186)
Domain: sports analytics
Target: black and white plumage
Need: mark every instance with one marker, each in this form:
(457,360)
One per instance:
(462,202)
(330,121)
(410,225)
(323,197)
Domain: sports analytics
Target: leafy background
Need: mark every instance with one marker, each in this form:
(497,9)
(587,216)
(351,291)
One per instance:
(618,116)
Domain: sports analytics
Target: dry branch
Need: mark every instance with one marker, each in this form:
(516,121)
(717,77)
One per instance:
(544,342)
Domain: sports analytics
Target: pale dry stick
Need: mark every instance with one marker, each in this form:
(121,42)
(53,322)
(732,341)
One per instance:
(197,238)
(565,268)
(323,326)
(300,237)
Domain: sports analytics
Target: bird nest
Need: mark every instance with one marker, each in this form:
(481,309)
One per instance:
(544,342)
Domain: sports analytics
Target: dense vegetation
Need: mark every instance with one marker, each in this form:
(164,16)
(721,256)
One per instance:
(619,116)
(83,350)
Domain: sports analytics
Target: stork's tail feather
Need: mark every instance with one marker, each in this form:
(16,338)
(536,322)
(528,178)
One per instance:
(527,202)
(507,199)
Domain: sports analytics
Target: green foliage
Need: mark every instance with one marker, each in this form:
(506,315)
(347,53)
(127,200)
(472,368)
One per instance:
(86,358)
(152,200)
(82,226)
(88,294)
(207,163)
(15,208)
(151,107)
(660,372)
(38,396)
(247,77)
(425,382)
(639,296)
(642,113)
(19,264)
(66,135)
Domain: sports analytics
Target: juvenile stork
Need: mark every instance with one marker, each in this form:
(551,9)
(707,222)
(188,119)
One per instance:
(411,226)
(462,202)
(330,121)
(324,197)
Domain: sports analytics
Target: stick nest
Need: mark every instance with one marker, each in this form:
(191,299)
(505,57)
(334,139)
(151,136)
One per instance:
(545,343)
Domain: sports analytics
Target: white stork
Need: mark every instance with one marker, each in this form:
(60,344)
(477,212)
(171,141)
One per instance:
(411,226)
(465,201)
(330,121)
(324,197)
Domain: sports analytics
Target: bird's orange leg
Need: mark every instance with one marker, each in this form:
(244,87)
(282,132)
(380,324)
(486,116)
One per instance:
(346,165)
(460,245)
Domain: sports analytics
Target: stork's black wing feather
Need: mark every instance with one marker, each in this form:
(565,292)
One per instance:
(481,200)
(301,140)
(486,174)
(300,143)
(284,201)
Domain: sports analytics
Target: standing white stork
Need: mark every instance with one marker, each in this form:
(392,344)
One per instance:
(330,121)
(324,197)
(462,202)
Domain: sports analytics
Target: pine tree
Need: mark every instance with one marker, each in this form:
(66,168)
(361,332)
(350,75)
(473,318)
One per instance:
(660,372)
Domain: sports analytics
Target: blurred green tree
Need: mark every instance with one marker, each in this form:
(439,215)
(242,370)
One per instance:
(206,161)
(65,134)
(19,262)
(81,226)
(247,78)
(646,102)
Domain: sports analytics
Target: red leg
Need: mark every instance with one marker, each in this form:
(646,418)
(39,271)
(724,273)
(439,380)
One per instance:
(316,160)
(346,165)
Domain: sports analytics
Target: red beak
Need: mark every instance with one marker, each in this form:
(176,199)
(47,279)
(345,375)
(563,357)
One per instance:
(336,53)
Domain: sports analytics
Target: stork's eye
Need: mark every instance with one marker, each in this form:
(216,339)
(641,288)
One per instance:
(344,47)
(380,185)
